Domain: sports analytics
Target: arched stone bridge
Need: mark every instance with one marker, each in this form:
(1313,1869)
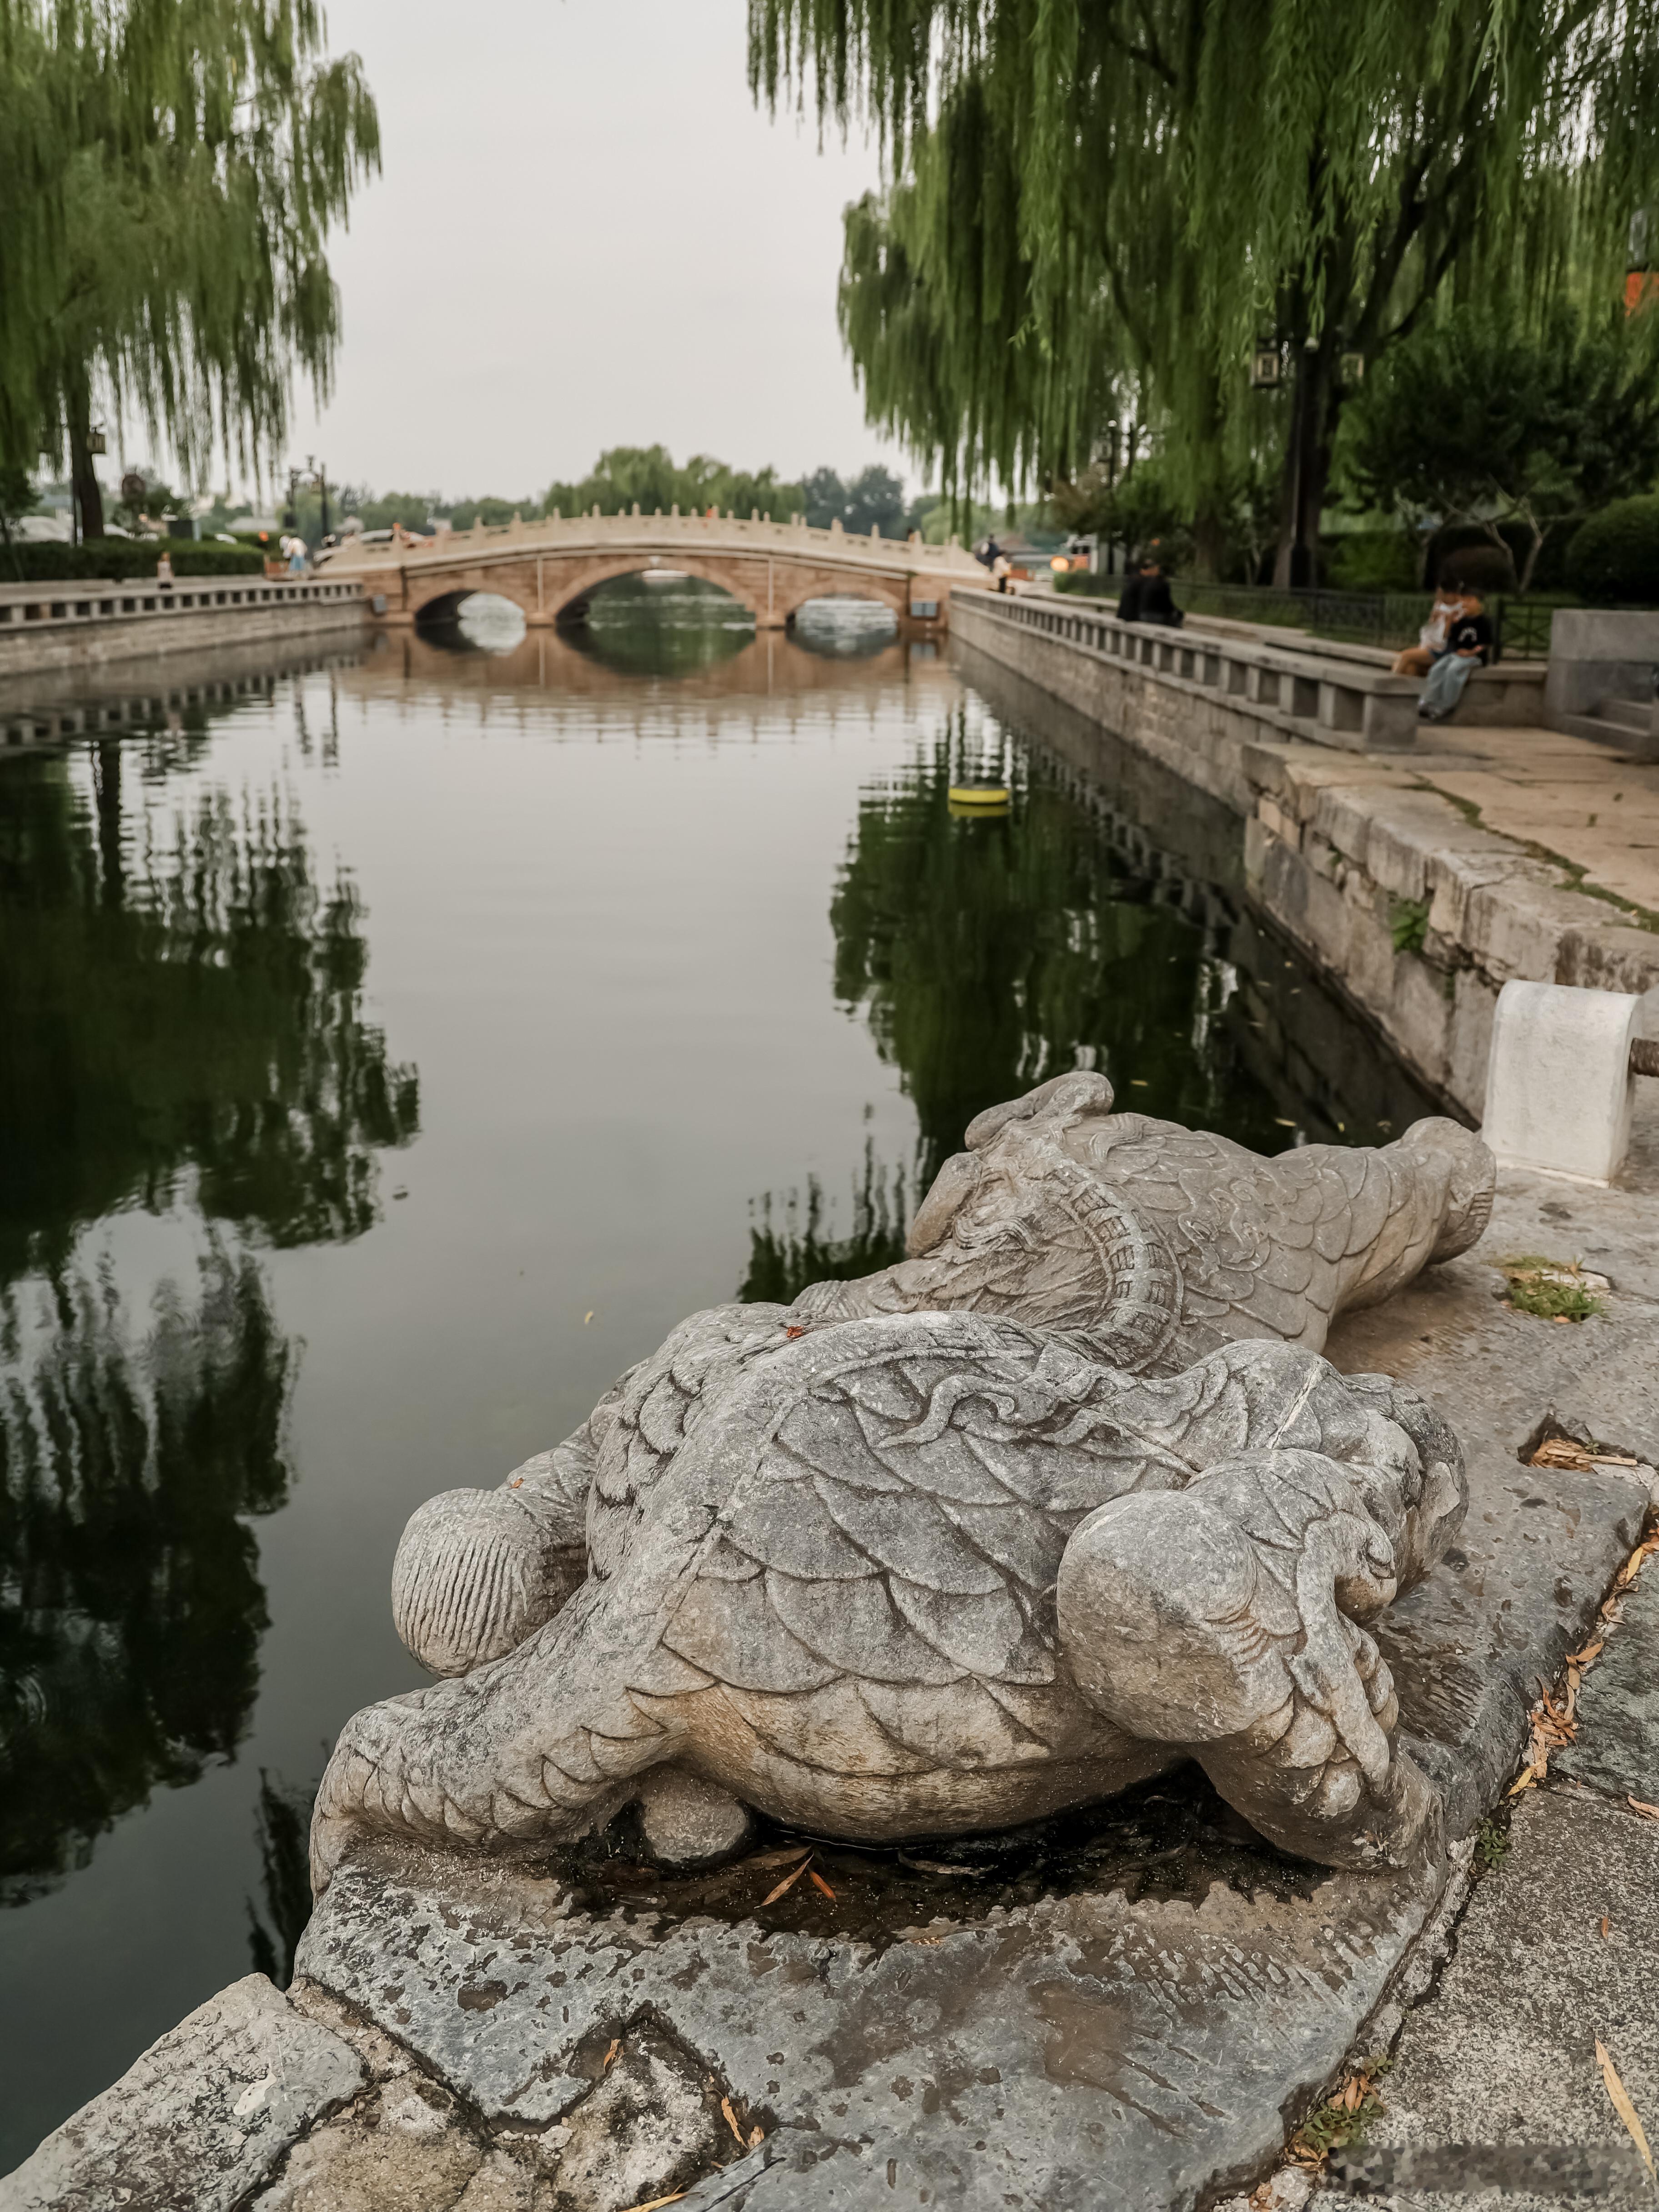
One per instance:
(548,566)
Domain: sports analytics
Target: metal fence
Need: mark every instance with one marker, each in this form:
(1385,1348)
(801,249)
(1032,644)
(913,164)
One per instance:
(1520,626)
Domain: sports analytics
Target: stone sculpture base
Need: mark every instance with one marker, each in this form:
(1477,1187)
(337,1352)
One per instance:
(447,2043)
(1013,2058)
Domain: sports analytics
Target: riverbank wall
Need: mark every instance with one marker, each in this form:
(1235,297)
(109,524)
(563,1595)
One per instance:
(1408,905)
(50,628)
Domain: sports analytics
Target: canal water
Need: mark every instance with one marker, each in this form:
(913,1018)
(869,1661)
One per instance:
(397,1045)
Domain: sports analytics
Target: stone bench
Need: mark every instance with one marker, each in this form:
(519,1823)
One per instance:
(1344,695)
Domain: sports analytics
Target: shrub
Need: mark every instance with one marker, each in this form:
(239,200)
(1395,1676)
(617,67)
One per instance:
(1090,584)
(1483,568)
(120,559)
(1615,555)
(1374,561)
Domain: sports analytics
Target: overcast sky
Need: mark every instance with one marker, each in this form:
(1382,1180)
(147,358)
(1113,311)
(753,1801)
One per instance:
(586,235)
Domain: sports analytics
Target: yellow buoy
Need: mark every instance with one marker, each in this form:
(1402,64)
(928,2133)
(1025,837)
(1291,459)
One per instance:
(979,794)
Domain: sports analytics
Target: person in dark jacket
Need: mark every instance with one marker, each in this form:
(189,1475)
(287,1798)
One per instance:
(1468,646)
(1146,598)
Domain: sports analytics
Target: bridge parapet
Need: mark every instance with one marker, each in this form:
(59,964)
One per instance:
(576,533)
(548,563)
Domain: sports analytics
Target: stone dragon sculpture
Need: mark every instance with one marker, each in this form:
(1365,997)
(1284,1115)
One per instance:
(1062,1499)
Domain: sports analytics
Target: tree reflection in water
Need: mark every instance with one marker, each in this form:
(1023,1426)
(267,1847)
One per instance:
(181,1003)
(283,1823)
(988,952)
(785,1255)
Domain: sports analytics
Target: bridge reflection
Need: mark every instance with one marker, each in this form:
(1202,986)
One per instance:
(743,664)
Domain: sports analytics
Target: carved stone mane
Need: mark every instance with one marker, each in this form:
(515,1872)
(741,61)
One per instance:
(1002,1528)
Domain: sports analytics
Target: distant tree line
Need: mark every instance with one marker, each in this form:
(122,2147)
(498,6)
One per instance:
(649,477)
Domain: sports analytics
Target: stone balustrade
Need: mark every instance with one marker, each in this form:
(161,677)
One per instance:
(82,599)
(756,534)
(70,622)
(1340,695)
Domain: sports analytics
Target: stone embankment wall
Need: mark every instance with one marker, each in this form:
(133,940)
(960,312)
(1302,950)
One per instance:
(1417,913)
(81,624)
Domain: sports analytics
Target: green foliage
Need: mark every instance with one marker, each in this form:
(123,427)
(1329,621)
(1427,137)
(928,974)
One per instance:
(1375,561)
(648,477)
(494,513)
(414,509)
(1549,1289)
(172,170)
(1615,555)
(1347,2119)
(1477,415)
(1408,924)
(1143,511)
(874,500)
(17,499)
(1094,212)
(45,560)
(134,513)
(1492,1844)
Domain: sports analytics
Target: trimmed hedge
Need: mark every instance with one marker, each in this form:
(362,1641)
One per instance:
(1615,555)
(1371,560)
(47,559)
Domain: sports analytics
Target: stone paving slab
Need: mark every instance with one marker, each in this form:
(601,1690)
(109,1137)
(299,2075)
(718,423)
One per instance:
(201,2119)
(1014,2062)
(1503,2051)
(1617,1748)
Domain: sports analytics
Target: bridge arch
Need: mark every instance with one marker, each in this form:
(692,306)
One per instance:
(620,570)
(541,569)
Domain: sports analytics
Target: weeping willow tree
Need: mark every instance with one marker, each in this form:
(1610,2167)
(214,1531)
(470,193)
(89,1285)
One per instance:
(172,170)
(1095,200)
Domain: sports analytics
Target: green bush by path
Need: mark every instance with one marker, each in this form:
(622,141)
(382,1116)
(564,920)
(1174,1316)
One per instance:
(1373,560)
(1615,555)
(124,559)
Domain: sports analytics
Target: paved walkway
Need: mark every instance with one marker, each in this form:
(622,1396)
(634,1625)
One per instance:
(1581,801)
(1495,2076)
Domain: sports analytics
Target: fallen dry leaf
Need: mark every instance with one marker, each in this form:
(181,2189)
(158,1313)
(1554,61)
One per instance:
(926,1939)
(1561,1451)
(1607,1929)
(651,2203)
(1622,2106)
(757,2136)
(1590,1652)
(779,1858)
(732,2122)
(818,1878)
(1638,1805)
(1529,1775)
(788,1882)
(616,2046)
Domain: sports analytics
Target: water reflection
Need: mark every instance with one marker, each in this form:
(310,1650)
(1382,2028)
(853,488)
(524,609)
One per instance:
(790,1244)
(181,1003)
(641,626)
(180,997)
(846,628)
(282,1831)
(988,954)
(129,1635)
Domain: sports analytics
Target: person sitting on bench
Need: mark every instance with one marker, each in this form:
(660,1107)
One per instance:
(1146,597)
(1468,646)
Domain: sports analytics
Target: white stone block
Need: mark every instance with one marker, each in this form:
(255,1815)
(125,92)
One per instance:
(1559,1080)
